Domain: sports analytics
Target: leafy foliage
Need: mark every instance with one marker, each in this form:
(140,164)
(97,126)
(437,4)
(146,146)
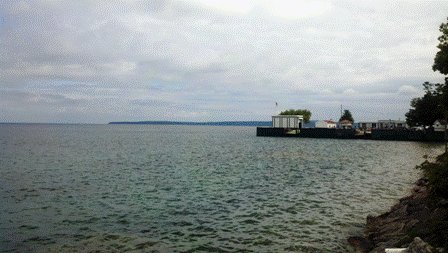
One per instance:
(429,108)
(444,97)
(304,112)
(347,115)
(441,59)
(434,104)
(437,174)
(441,65)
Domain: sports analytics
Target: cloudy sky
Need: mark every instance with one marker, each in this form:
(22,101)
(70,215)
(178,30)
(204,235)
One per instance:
(211,60)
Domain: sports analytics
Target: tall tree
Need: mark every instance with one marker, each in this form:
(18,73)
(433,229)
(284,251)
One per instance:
(427,109)
(347,115)
(304,112)
(434,103)
(441,59)
(441,65)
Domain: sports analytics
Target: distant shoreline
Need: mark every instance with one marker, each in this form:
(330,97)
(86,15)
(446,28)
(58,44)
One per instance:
(189,123)
(220,123)
(47,123)
(164,122)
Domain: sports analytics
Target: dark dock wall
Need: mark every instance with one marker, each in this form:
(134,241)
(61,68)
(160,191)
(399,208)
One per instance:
(397,135)
(407,135)
(332,133)
(307,132)
(327,133)
(272,131)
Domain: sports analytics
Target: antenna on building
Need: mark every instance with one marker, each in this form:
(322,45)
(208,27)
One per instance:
(341,110)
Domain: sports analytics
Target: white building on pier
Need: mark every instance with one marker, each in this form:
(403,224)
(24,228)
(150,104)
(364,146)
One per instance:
(287,121)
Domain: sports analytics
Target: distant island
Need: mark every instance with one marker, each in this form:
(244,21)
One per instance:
(220,123)
(212,123)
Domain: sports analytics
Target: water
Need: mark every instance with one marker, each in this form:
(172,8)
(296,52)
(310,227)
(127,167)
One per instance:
(143,188)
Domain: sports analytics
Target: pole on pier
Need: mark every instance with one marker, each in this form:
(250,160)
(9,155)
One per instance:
(446,135)
(341,110)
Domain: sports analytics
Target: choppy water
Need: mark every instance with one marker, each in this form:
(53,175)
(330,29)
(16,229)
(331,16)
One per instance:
(115,188)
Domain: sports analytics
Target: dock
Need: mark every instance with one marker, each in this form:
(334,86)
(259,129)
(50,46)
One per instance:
(336,133)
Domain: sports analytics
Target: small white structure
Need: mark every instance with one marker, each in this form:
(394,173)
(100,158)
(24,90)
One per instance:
(325,124)
(367,125)
(391,124)
(439,125)
(287,121)
(345,124)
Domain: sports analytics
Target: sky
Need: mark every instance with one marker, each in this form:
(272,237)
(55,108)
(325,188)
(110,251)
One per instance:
(212,60)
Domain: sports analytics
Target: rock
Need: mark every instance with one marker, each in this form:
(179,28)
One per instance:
(392,229)
(422,182)
(416,189)
(411,224)
(438,215)
(419,246)
(443,202)
(361,244)
(380,249)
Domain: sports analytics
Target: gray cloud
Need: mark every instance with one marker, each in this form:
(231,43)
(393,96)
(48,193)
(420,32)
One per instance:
(186,60)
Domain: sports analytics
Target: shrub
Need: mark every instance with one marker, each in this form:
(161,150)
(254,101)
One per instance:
(437,175)
(436,230)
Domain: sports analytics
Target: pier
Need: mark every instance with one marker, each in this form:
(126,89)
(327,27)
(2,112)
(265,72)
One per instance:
(335,133)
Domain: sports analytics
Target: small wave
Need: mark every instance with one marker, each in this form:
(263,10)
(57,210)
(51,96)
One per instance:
(29,227)
(206,248)
(304,249)
(144,245)
(40,240)
(182,212)
(308,222)
(263,242)
(250,221)
(181,223)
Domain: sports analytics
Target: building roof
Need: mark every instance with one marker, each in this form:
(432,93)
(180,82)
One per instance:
(288,116)
(391,121)
(441,121)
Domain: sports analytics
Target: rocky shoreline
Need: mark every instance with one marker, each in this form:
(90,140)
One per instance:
(398,227)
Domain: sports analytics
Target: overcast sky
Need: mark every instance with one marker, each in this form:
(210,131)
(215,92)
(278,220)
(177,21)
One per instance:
(211,60)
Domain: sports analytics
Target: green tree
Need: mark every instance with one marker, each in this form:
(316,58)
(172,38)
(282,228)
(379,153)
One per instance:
(441,65)
(427,109)
(432,106)
(441,59)
(434,103)
(304,112)
(347,115)
(444,97)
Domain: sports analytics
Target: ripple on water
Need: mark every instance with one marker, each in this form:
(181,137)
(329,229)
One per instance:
(192,189)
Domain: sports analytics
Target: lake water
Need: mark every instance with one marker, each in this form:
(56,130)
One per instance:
(145,188)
